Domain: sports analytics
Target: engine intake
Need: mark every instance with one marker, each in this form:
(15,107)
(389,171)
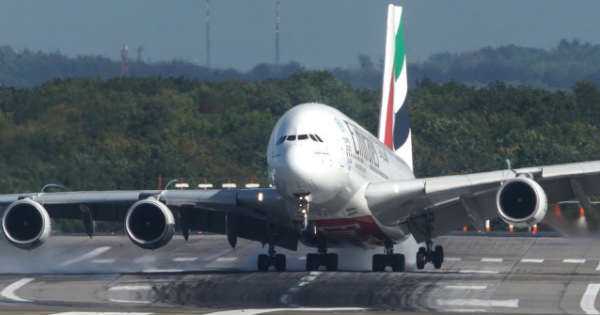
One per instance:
(26,224)
(150,224)
(521,202)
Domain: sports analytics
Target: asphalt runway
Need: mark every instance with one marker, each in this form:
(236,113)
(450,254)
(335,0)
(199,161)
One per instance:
(512,275)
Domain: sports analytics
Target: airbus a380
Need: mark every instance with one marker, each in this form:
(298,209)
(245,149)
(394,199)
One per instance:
(334,185)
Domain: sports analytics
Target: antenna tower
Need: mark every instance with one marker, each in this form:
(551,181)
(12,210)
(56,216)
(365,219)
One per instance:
(207,33)
(124,61)
(140,52)
(277,22)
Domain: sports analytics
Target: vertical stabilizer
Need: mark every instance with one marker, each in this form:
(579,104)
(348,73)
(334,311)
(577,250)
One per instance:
(394,120)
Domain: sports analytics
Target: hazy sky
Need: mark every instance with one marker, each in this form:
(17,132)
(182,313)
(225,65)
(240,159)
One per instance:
(316,33)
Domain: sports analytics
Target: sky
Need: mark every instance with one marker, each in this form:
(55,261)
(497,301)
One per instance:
(315,33)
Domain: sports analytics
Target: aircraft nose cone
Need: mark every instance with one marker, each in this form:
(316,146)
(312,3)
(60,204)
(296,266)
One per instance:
(298,162)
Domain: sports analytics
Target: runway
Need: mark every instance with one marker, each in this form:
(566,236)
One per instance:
(512,275)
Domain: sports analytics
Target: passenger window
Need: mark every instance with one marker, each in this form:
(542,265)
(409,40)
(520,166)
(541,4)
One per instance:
(291,138)
(280,141)
(302,137)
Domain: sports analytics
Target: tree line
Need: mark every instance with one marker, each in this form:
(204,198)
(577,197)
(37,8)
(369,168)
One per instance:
(125,133)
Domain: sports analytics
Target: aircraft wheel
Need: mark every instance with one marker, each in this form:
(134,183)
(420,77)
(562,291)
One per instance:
(264,261)
(421,258)
(398,262)
(312,262)
(378,263)
(331,262)
(438,257)
(280,262)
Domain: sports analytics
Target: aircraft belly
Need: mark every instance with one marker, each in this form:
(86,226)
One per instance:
(359,231)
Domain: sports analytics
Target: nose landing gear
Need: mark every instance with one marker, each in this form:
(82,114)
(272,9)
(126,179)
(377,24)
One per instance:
(430,254)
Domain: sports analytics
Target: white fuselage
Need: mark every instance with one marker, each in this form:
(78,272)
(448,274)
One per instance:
(317,151)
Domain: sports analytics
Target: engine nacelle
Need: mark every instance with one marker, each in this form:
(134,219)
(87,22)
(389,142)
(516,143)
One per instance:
(150,224)
(26,224)
(521,202)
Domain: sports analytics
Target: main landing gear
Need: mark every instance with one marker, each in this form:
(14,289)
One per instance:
(272,259)
(430,254)
(389,259)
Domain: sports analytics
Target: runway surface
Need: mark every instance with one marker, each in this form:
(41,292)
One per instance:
(204,276)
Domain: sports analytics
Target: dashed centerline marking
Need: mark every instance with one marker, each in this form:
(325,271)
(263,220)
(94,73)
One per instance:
(103,261)
(532,260)
(222,259)
(598,267)
(488,259)
(185,259)
(479,271)
(155,270)
(131,288)
(588,300)
(513,303)
(452,259)
(95,253)
(466,287)
(10,291)
(99,313)
(574,261)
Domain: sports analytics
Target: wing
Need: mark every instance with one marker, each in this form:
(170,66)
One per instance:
(259,213)
(434,206)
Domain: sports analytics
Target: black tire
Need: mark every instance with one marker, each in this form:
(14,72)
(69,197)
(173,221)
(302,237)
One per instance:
(421,258)
(264,261)
(398,263)
(312,262)
(280,262)
(331,262)
(438,257)
(378,263)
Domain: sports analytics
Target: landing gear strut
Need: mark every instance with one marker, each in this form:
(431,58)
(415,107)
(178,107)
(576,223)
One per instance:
(430,254)
(316,260)
(389,259)
(272,259)
(302,212)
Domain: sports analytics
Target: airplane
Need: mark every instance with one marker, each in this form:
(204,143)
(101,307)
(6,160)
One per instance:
(334,185)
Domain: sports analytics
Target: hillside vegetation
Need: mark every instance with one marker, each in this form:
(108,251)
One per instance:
(125,133)
(557,68)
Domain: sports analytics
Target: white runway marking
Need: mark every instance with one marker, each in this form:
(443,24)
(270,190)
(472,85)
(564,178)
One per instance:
(532,260)
(185,259)
(574,261)
(487,259)
(285,298)
(598,267)
(103,261)
(589,299)
(145,259)
(10,291)
(217,255)
(251,311)
(466,287)
(452,259)
(95,253)
(131,288)
(479,271)
(156,270)
(465,310)
(225,259)
(514,303)
(99,313)
(130,301)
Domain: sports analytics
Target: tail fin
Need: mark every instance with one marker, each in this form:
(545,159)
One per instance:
(394,120)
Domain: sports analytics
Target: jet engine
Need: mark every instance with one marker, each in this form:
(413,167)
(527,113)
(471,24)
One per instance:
(26,224)
(521,202)
(150,224)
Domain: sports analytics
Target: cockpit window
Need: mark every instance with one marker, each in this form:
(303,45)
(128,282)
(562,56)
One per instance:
(291,138)
(313,138)
(302,137)
(280,140)
(319,138)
